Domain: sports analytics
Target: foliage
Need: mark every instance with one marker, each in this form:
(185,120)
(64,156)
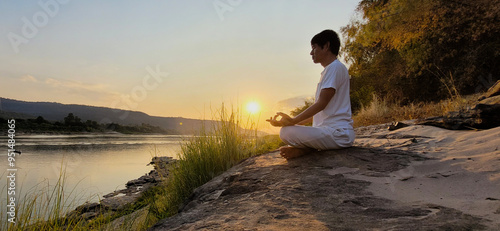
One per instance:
(72,123)
(298,110)
(143,128)
(268,143)
(419,50)
(361,97)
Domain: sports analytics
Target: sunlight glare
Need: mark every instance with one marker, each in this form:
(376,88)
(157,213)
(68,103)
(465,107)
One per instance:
(253,107)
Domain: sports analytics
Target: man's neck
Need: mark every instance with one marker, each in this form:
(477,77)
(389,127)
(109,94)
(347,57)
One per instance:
(329,60)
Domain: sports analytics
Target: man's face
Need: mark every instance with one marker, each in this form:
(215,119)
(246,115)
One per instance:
(318,54)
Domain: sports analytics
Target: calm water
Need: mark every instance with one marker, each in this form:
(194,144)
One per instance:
(95,164)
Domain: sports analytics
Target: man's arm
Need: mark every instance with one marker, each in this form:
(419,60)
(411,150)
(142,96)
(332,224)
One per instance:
(306,121)
(325,96)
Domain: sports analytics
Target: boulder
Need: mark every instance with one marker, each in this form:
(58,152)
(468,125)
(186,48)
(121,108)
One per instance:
(484,115)
(118,202)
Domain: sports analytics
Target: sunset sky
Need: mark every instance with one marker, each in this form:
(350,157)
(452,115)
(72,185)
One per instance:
(164,58)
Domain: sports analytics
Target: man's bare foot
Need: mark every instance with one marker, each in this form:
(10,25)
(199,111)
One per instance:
(289,152)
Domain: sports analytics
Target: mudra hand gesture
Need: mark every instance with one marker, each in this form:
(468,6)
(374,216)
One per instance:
(285,120)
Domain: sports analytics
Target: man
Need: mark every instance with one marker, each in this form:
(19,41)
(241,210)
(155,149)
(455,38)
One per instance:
(331,111)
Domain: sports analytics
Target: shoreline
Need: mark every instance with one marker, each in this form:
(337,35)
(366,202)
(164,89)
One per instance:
(402,176)
(91,133)
(119,199)
(385,166)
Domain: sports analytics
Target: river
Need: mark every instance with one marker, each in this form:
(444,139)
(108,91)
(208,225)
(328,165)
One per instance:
(94,165)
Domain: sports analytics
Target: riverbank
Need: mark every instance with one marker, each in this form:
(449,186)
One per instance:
(403,176)
(414,178)
(118,203)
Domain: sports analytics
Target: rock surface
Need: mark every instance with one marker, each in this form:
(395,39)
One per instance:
(332,190)
(484,115)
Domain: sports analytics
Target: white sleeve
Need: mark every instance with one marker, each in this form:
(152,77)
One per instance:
(331,78)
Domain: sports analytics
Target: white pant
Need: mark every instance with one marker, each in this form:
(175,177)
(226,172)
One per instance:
(320,138)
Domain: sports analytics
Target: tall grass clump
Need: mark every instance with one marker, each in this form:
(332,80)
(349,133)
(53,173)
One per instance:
(44,208)
(215,149)
(376,112)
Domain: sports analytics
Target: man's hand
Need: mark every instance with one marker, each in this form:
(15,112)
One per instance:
(285,120)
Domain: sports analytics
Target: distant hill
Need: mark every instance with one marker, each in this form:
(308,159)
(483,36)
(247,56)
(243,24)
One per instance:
(10,108)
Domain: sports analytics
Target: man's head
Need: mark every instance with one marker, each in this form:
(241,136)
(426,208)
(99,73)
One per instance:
(327,37)
(325,47)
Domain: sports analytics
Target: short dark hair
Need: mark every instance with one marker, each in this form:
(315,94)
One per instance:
(326,36)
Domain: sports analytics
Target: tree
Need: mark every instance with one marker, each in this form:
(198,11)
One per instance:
(70,119)
(73,120)
(40,120)
(298,110)
(415,50)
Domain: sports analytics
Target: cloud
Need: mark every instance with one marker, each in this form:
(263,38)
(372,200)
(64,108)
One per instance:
(74,85)
(65,88)
(28,78)
(289,104)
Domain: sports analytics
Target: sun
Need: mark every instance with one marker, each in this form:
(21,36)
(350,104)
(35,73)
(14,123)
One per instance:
(253,107)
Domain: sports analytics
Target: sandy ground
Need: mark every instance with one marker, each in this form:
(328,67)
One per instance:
(464,172)
(414,178)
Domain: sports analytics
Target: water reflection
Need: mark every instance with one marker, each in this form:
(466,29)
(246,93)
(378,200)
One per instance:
(94,164)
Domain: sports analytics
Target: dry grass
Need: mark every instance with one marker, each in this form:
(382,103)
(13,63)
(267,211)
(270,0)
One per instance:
(380,111)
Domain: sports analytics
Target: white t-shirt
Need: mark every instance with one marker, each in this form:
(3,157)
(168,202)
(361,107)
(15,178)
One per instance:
(338,111)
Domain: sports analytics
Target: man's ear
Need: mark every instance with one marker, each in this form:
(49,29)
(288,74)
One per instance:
(326,46)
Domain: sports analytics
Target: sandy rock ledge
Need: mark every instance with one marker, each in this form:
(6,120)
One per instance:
(365,187)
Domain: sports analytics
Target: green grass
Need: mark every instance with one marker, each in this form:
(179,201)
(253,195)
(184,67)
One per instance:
(204,157)
(43,207)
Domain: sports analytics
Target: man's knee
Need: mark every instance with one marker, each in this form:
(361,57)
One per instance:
(286,133)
